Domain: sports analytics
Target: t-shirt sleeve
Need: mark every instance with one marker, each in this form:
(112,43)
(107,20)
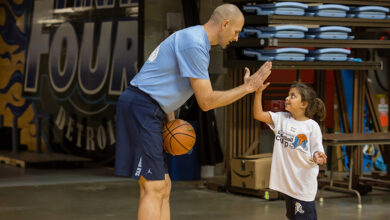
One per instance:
(276,117)
(316,140)
(193,62)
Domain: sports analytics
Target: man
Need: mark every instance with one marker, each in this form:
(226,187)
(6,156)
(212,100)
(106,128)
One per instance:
(174,71)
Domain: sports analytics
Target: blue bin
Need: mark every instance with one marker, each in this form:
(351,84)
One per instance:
(330,32)
(187,166)
(328,10)
(330,54)
(279,8)
(283,31)
(369,12)
(283,54)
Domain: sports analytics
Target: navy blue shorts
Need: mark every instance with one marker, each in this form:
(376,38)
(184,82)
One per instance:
(300,210)
(139,145)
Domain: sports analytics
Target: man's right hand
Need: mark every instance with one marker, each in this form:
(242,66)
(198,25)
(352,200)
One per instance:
(253,82)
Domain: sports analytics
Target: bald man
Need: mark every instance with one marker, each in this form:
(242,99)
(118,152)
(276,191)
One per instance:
(175,70)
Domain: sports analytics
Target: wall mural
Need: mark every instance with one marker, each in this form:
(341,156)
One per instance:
(13,41)
(76,57)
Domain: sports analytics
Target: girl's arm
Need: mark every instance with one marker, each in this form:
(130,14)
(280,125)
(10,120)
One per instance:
(258,112)
(316,148)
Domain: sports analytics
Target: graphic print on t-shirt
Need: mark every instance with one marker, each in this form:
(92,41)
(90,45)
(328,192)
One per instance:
(300,140)
(291,140)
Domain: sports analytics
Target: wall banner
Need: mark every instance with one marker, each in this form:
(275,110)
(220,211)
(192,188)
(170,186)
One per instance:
(80,56)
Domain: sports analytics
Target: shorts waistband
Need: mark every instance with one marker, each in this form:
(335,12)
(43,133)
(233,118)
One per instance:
(138,90)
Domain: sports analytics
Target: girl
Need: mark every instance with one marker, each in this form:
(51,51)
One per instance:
(297,148)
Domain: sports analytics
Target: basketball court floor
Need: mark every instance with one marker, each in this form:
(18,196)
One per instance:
(95,193)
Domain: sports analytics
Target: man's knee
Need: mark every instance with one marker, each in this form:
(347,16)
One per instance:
(168,186)
(153,187)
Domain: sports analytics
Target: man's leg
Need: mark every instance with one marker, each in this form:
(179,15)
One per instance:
(165,208)
(151,199)
(141,192)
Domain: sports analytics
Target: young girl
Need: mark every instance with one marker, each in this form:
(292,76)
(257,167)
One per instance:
(297,148)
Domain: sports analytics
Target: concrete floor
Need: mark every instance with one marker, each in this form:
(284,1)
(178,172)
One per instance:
(94,193)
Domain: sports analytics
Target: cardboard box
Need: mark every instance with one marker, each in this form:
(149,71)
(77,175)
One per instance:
(251,172)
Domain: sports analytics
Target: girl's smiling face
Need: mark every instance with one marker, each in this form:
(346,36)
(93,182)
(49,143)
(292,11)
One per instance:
(293,102)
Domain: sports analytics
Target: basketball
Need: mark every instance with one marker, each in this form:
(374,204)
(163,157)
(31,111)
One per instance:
(178,136)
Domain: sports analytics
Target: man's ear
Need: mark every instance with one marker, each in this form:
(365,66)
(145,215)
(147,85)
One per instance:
(225,24)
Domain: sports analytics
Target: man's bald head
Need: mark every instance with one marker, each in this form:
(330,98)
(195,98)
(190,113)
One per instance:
(226,12)
(224,25)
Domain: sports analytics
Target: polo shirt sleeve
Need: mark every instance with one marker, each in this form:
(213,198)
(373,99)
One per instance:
(193,62)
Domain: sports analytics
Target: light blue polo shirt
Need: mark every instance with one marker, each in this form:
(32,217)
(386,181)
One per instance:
(165,75)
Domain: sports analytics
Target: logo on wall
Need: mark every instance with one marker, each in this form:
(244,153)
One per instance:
(81,55)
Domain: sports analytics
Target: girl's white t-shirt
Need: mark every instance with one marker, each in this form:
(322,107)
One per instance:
(293,171)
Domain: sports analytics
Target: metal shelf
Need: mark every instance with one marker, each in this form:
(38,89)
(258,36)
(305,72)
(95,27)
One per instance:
(314,20)
(288,42)
(316,65)
(343,2)
(265,20)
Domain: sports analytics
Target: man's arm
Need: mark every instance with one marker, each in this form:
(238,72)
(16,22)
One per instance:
(209,99)
(170,116)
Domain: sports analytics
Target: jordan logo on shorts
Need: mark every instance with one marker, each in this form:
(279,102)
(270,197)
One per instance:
(298,208)
(139,168)
(149,171)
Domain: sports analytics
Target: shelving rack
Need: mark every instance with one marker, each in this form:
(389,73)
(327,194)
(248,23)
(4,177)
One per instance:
(286,19)
(243,130)
(343,2)
(283,42)
(318,65)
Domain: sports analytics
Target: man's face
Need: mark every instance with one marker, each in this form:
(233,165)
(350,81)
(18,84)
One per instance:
(229,31)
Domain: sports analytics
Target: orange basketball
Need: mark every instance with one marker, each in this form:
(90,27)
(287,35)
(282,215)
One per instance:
(178,136)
